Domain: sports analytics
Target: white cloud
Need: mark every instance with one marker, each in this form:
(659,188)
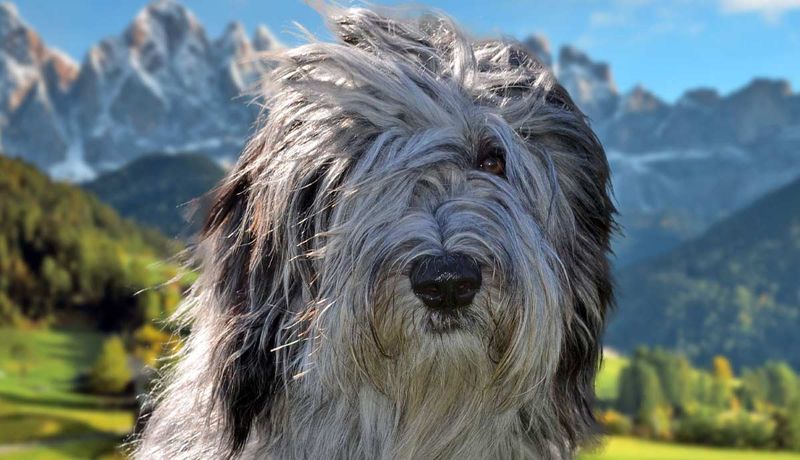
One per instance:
(770,9)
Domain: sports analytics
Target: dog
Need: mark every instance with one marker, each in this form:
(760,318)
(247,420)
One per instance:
(409,260)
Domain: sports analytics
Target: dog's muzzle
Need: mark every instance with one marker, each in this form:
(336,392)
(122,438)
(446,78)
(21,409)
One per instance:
(445,282)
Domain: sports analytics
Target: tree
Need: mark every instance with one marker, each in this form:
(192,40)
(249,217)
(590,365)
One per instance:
(722,368)
(650,397)
(787,426)
(110,373)
(640,390)
(722,389)
(149,303)
(792,440)
(674,373)
(149,344)
(783,384)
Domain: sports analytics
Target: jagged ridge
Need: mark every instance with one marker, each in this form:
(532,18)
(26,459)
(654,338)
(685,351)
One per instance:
(162,85)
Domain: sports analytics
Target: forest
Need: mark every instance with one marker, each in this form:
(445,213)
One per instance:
(66,258)
(661,395)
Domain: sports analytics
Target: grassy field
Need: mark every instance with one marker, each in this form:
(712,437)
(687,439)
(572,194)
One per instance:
(41,413)
(621,448)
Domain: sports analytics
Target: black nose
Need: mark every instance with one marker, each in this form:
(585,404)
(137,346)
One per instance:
(448,281)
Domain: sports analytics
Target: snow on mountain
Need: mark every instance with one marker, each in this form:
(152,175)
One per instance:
(161,85)
(724,152)
(704,156)
(34,80)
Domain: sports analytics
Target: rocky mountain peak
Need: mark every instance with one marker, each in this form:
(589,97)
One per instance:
(161,85)
(17,39)
(589,83)
(765,88)
(700,97)
(640,99)
(9,18)
(27,66)
(59,71)
(264,40)
(540,47)
(571,57)
(165,24)
(234,41)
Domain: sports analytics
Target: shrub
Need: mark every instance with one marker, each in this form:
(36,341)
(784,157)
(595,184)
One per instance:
(730,428)
(110,373)
(149,343)
(614,422)
(787,426)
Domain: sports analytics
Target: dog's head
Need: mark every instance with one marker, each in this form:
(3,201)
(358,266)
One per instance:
(419,213)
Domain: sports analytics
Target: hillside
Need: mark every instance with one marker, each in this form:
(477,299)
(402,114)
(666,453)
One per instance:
(734,290)
(65,256)
(158,190)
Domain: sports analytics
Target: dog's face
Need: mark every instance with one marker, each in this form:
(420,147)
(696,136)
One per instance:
(421,215)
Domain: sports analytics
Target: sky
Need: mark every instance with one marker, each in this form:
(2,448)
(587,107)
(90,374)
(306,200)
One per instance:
(668,46)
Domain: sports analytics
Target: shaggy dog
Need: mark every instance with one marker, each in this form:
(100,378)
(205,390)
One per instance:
(408,261)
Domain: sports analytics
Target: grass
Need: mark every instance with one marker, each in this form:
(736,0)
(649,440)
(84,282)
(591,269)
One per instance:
(39,404)
(624,448)
(103,449)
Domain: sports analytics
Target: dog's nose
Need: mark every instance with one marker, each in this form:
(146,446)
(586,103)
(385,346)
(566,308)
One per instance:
(448,281)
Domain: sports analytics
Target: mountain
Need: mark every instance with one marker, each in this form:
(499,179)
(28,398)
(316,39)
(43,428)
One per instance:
(677,168)
(158,190)
(65,256)
(707,155)
(161,86)
(34,82)
(734,290)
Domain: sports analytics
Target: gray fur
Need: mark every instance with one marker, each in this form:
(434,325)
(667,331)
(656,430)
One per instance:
(306,339)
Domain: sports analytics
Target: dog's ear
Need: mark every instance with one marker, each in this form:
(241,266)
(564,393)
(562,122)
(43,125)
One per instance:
(581,350)
(590,281)
(246,378)
(255,277)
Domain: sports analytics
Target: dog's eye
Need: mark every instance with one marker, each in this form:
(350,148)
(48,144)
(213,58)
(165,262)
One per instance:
(493,164)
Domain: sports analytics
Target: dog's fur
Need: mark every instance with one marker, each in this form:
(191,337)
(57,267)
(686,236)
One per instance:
(306,338)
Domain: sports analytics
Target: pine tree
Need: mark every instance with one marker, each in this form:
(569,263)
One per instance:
(783,384)
(640,391)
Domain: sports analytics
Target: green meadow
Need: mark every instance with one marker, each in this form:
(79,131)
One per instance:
(625,448)
(42,416)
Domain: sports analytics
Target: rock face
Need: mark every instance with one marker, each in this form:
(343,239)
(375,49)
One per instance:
(162,85)
(706,155)
(589,83)
(34,81)
(679,167)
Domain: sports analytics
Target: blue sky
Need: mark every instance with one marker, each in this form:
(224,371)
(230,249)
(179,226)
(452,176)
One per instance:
(666,45)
